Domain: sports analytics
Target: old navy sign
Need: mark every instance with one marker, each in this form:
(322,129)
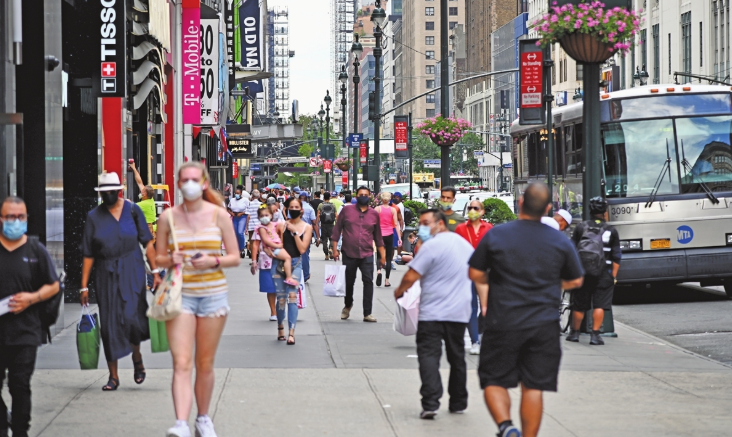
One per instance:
(250,29)
(191,43)
(110,76)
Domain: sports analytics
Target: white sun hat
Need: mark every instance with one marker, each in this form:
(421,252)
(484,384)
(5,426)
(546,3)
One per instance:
(566,216)
(109,182)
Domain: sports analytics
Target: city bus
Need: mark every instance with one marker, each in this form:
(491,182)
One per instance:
(667,168)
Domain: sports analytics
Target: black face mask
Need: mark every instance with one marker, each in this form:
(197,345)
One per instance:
(294,213)
(362,200)
(109,198)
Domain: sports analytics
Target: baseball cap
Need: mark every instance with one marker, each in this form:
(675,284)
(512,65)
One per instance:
(271,201)
(398,194)
(566,216)
(296,189)
(304,193)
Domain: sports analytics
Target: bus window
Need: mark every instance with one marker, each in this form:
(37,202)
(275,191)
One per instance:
(705,142)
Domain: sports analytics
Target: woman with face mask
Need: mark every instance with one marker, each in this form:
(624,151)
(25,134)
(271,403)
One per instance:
(389,224)
(111,243)
(238,206)
(200,225)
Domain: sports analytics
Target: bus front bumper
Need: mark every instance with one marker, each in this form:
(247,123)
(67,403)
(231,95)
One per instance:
(681,265)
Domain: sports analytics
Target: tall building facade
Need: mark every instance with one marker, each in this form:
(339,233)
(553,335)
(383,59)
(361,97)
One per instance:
(343,15)
(280,54)
(421,33)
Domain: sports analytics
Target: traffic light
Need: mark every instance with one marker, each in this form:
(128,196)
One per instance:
(372,105)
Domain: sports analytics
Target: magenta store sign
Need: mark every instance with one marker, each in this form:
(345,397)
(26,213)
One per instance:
(191,34)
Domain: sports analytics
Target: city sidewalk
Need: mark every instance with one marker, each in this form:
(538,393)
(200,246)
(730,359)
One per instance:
(358,379)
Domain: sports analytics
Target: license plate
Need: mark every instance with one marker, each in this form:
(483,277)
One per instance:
(664,243)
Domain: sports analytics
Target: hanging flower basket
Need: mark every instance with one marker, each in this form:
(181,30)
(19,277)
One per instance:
(589,33)
(342,163)
(444,131)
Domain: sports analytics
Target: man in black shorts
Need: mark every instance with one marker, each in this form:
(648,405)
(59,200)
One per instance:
(521,338)
(597,291)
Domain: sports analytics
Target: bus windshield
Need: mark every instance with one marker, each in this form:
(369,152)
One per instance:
(705,143)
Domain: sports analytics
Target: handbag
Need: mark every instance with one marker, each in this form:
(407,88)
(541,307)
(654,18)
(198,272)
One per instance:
(406,316)
(302,296)
(87,340)
(168,301)
(334,284)
(158,336)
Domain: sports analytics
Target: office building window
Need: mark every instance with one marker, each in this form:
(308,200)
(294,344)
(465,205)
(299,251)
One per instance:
(452,11)
(429,40)
(644,48)
(453,24)
(430,98)
(430,54)
(669,53)
(656,35)
(686,41)
(429,25)
(430,113)
(430,84)
(579,71)
(430,69)
(701,45)
(430,12)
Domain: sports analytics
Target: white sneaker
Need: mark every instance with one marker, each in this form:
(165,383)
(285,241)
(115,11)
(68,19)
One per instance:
(204,427)
(179,430)
(475,349)
(272,318)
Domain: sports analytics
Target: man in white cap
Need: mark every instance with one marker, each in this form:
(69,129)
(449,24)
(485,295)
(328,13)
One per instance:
(561,220)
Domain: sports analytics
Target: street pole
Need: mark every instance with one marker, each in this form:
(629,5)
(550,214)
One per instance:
(377,86)
(344,79)
(357,50)
(591,115)
(409,147)
(548,99)
(328,176)
(444,91)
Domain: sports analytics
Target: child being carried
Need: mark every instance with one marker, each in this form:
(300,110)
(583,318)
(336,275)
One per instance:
(272,244)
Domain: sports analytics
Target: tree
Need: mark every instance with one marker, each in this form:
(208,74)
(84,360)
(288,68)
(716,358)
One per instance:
(464,149)
(424,148)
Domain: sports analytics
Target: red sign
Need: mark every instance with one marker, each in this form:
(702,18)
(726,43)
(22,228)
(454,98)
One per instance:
(344,180)
(109,69)
(326,166)
(532,79)
(400,135)
(235,169)
(364,151)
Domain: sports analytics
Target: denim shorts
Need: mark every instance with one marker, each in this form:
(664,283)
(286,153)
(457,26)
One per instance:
(206,306)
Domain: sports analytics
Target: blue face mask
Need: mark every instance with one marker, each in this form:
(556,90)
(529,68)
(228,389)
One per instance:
(15,229)
(424,233)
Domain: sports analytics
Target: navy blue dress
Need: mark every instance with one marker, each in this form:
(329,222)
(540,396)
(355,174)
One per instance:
(119,276)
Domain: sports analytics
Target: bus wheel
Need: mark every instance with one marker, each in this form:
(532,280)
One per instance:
(728,288)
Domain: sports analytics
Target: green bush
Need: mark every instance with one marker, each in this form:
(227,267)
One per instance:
(416,206)
(497,212)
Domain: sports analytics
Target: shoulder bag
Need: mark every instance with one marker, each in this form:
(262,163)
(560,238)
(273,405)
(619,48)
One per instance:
(168,301)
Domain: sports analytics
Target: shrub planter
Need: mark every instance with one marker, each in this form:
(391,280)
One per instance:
(586,48)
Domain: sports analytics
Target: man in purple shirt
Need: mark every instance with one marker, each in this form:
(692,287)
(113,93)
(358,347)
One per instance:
(360,228)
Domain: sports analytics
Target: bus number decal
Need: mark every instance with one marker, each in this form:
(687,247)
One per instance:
(620,210)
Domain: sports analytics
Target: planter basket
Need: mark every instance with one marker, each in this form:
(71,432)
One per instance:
(443,144)
(343,167)
(586,48)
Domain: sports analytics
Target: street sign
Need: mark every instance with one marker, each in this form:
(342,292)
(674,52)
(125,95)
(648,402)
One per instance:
(294,159)
(313,162)
(235,169)
(432,163)
(255,167)
(507,165)
(532,79)
(344,180)
(271,160)
(401,136)
(364,151)
(392,176)
(326,166)
(354,140)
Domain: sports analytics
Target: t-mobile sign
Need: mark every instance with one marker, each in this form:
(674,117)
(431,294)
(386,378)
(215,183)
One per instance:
(191,65)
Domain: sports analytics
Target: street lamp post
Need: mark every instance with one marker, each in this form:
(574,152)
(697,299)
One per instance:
(444,90)
(343,77)
(357,50)
(378,16)
(328,100)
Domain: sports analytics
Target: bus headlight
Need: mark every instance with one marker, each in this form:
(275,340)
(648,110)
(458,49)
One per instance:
(729,239)
(629,245)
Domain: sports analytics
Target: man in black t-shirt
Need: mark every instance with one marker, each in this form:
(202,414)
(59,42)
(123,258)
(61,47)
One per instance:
(597,290)
(28,277)
(529,265)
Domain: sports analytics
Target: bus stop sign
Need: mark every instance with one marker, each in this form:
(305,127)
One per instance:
(531,83)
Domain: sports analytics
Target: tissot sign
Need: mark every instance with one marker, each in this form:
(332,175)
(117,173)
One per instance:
(531,79)
(110,75)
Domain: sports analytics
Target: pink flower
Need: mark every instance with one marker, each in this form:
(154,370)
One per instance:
(578,24)
(554,19)
(567,18)
(563,8)
(605,21)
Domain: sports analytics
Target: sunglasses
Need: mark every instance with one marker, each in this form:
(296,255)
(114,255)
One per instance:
(473,208)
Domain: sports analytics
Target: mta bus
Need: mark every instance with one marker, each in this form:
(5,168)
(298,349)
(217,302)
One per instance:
(667,167)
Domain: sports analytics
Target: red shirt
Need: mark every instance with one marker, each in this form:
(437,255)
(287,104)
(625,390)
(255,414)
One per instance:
(467,231)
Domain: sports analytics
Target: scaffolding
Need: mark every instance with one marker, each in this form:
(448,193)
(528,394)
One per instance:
(342,18)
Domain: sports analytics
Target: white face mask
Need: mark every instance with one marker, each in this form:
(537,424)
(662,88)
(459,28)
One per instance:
(192,190)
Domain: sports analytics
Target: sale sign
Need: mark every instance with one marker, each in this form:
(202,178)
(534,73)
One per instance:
(400,135)
(210,72)
(364,151)
(191,39)
(532,77)
(327,166)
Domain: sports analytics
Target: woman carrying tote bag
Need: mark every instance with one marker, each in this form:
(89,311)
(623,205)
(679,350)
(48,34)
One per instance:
(201,225)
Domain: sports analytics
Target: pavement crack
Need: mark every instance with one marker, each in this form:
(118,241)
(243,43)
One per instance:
(386,307)
(76,396)
(560,423)
(322,327)
(381,403)
(221,394)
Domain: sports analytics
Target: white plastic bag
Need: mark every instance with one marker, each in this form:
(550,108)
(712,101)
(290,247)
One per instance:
(406,315)
(334,284)
(302,296)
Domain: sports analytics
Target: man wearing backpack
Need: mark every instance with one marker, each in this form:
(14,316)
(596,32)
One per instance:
(29,278)
(326,219)
(598,246)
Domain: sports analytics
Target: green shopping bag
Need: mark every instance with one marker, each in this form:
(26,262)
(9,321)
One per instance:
(87,340)
(158,336)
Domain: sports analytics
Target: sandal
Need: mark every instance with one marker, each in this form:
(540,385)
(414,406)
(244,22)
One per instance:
(139,372)
(280,333)
(112,384)
(291,343)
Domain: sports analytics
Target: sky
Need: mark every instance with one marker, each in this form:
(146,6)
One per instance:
(310,39)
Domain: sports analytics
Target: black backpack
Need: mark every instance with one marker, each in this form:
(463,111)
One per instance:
(327,213)
(591,248)
(48,309)
(408,216)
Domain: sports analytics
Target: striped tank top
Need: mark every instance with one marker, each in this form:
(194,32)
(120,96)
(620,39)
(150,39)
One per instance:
(206,282)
